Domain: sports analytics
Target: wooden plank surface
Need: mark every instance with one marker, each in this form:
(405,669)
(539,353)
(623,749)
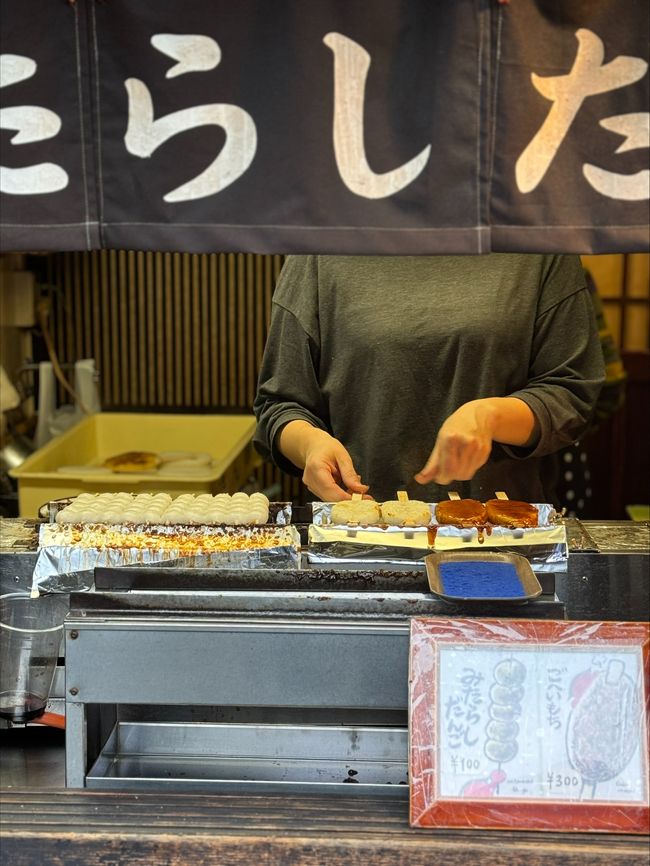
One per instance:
(75,827)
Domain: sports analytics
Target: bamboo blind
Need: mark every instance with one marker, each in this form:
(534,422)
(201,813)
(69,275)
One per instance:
(166,330)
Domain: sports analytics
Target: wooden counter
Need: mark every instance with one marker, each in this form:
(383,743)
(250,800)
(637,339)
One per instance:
(85,827)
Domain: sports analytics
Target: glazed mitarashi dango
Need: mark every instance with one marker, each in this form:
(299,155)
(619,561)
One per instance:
(461,512)
(511,513)
(496,512)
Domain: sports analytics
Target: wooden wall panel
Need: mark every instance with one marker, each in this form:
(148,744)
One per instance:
(167,330)
(637,328)
(638,276)
(623,283)
(607,272)
(617,451)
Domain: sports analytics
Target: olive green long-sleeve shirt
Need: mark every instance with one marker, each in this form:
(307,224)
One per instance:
(379,351)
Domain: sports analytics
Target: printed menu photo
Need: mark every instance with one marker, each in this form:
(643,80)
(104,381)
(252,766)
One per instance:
(538,725)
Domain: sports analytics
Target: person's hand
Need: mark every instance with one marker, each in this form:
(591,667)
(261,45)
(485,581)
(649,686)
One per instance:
(465,439)
(328,470)
(463,445)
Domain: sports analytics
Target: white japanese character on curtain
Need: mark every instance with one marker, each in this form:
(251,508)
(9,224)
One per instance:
(31,123)
(144,135)
(351,65)
(588,76)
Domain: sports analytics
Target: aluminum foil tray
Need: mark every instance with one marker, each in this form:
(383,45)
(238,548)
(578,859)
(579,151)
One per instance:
(545,545)
(69,553)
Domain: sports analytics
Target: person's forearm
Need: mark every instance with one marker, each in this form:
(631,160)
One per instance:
(510,420)
(295,438)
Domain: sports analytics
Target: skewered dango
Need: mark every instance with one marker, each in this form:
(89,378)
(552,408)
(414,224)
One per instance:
(186,509)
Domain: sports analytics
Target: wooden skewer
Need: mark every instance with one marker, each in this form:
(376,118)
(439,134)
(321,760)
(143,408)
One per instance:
(499,494)
(452,494)
(402,496)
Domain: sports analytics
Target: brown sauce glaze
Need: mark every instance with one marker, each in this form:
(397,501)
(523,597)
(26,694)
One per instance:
(461,512)
(511,513)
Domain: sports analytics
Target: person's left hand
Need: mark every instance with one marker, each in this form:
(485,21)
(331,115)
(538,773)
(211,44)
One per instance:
(463,445)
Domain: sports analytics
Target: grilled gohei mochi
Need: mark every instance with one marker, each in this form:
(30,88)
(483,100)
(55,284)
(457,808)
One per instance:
(461,512)
(405,512)
(133,461)
(356,511)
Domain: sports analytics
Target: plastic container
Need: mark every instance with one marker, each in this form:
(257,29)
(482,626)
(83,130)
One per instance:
(86,445)
(31,630)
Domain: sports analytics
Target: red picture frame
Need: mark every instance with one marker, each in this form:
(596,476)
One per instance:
(577,714)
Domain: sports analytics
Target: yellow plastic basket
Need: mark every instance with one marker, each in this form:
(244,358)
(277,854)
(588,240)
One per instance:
(226,437)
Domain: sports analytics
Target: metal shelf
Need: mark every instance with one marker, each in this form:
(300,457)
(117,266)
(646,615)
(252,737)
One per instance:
(253,758)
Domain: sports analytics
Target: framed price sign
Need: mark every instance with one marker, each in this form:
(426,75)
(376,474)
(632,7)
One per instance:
(533,725)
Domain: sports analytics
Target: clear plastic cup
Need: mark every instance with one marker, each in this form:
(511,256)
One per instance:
(31,630)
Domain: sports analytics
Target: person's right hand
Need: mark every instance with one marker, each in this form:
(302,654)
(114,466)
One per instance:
(328,471)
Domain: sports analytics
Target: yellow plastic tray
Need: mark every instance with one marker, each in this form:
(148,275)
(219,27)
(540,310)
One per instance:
(226,437)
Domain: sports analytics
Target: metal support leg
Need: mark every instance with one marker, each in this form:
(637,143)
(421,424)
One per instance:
(75,745)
